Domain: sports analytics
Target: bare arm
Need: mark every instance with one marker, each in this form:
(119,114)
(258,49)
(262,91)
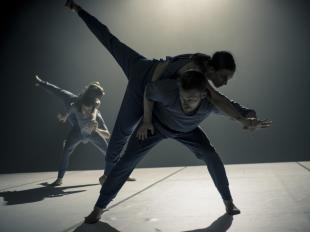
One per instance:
(147,109)
(105,133)
(225,105)
(95,122)
(149,105)
(102,128)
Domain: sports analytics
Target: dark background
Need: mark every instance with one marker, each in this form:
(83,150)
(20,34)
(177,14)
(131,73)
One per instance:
(269,39)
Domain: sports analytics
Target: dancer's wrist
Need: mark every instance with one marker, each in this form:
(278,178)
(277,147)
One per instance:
(147,121)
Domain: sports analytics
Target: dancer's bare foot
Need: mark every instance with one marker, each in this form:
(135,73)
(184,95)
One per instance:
(72,6)
(104,177)
(131,179)
(57,182)
(231,209)
(94,216)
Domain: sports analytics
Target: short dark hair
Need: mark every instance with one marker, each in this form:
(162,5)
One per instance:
(193,80)
(223,60)
(199,59)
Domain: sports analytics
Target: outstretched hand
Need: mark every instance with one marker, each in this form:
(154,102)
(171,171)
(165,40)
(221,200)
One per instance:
(254,123)
(143,130)
(38,80)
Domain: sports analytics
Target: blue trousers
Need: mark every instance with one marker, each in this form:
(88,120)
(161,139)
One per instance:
(75,137)
(138,71)
(196,141)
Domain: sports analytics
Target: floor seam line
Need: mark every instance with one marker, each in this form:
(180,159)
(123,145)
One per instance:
(144,189)
(303,166)
(133,195)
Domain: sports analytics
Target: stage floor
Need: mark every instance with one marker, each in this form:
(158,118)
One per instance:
(273,197)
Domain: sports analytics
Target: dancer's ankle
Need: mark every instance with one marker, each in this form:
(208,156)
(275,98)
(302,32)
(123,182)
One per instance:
(98,210)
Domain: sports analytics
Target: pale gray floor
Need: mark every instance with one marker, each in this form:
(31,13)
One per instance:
(273,197)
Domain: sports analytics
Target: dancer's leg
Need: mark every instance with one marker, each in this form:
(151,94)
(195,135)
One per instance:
(73,139)
(137,69)
(129,115)
(101,143)
(132,63)
(134,153)
(199,144)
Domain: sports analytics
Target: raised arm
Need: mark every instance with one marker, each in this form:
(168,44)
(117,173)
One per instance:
(64,95)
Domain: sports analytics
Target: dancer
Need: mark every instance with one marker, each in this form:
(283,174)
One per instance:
(85,119)
(140,71)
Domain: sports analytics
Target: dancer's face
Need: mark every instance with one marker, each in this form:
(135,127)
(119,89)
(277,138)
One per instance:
(190,99)
(220,77)
(86,110)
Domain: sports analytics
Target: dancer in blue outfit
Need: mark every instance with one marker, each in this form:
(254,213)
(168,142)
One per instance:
(85,118)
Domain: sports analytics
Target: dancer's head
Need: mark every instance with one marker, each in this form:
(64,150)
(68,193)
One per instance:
(218,69)
(192,89)
(94,90)
(90,98)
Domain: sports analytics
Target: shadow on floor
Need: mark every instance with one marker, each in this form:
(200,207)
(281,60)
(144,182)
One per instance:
(222,224)
(99,226)
(38,194)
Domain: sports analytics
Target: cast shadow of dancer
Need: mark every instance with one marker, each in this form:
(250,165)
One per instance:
(99,226)
(222,224)
(38,194)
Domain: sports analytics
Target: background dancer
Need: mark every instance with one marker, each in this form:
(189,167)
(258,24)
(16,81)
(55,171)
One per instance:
(85,119)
